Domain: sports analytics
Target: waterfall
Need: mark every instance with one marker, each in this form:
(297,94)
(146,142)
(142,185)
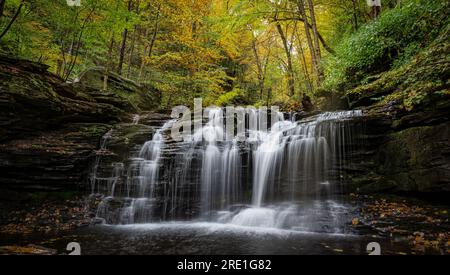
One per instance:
(266,179)
(139,191)
(94,180)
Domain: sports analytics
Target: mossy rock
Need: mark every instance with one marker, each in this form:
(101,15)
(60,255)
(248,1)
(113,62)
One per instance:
(418,159)
(142,97)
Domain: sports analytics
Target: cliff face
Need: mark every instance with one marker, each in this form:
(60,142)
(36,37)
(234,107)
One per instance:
(411,159)
(406,141)
(50,130)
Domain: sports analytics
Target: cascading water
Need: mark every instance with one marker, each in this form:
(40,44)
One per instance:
(133,202)
(281,178)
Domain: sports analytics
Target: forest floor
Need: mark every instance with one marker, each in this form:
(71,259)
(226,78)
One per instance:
(424,225)
(46,216)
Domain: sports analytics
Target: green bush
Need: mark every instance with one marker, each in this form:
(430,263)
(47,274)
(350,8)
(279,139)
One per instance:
(391,40)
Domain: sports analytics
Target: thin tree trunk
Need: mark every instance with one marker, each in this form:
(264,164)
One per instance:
(269,96)
(123,46)
(376,11)
(152,43)
(122,51)
(141,69)
(144,55)
(11,22)
(304,64)
(321,39)
(301,7)
(316,39)
(61,70)
(58,67)
(355,14)
(258,65)
(133,42)
(153,40)
(108,63)
(2,7)
(78,44)
(314,30)
(130,58)
(291,83)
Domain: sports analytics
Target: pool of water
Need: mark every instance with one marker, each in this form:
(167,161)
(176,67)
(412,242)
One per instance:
(313,227)
(204,238)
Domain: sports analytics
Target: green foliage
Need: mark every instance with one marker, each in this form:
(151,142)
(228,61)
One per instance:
(390,41)
(422,81)
(207,48)
(234,97)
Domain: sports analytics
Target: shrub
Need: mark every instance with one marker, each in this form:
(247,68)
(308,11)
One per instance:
(391,40)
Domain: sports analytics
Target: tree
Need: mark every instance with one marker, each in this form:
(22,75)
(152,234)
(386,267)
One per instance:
(2,7)
(13,19)
(148,48)
(317,51)
(302,11)
(290,67)
(355,14)
(123,45)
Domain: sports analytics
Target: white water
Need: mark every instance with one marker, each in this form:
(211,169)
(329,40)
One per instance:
(264,181)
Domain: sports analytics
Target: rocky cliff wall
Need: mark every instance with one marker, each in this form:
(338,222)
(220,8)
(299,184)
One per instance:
(50,131)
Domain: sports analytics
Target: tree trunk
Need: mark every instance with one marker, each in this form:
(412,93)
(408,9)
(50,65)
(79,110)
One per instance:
(152,43)
(305,65)
(130,57)
(58,67)
(133,42)
(123,46)
(108,63)
(290,68)
(376,11)
(258,65)
(355,15)
(144,55)
(2,7)
(301,7)
(316,39)
(78,45)
(321,39)
(11,22)
(269,96)
(314,30)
